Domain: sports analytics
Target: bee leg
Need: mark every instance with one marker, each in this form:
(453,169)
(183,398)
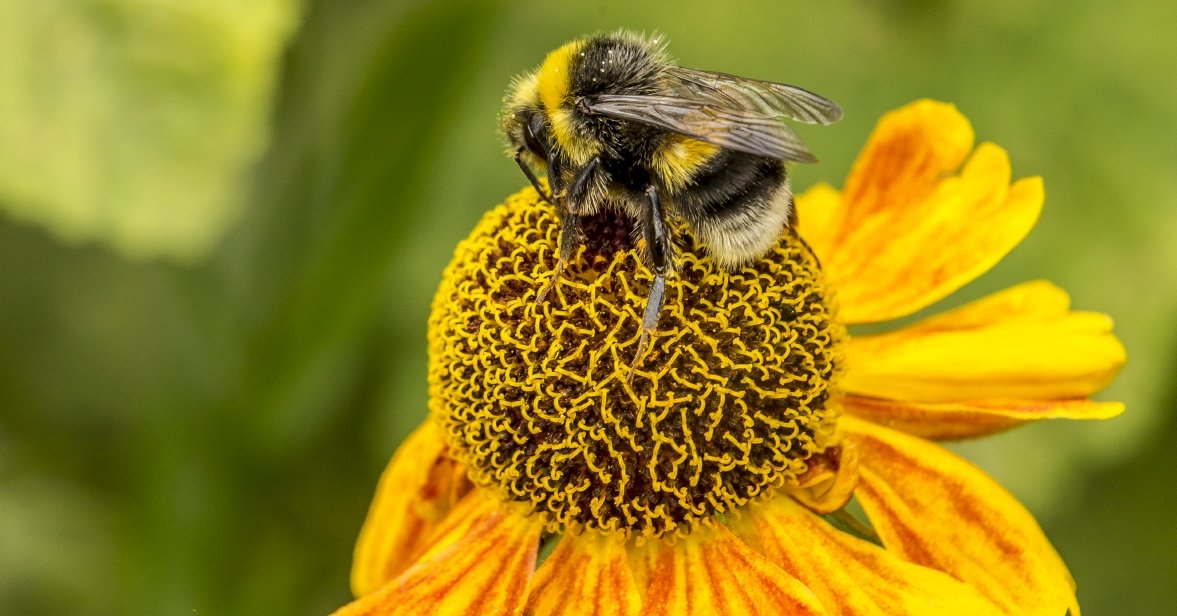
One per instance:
(556,178)
(649,320)
(580,184)
(531,176)
(569,240)
(659,248)
(569,222)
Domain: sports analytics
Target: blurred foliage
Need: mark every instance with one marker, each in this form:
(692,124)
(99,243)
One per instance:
(135,121)
(203,438)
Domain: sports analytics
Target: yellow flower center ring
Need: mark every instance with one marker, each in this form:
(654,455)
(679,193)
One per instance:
(733,396)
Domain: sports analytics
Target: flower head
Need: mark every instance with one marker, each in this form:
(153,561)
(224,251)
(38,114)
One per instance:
(697,487)
(730,400)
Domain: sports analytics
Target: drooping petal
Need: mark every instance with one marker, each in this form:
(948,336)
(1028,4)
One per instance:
(909,229)
(938,510)
(1021,343)
(417,490)
(481,562)
(713,573)
(854,577)
(944,421)
(586,575)
(828,484)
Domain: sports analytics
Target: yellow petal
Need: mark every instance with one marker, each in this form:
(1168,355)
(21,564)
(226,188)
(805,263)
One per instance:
(713,573)
(1019,344)
(1031,301)
(480,563)
(417,490)
(940,511)
(586,575)
(856,577)
(944,421)
(909,230)
(816,209)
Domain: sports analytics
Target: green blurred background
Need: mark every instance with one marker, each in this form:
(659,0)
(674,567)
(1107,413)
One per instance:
(221,224)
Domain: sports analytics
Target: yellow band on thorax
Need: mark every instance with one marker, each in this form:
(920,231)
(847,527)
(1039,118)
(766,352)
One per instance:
(555,85)
(555,78)
(680,157)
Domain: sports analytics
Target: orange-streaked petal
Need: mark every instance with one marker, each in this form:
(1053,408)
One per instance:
(910,229)
(481,562)
(944,421)
(418,488)
(856,577)
(1021,343)
(714,573)
(940,511)
(587,574)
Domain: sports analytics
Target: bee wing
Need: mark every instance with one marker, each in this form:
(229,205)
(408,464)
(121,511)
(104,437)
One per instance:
(737,129)
(771,99)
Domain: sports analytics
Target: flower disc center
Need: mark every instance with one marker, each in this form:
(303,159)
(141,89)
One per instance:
(730,399)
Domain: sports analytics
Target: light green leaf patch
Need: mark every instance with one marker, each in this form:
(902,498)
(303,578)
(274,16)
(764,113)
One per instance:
(134,122)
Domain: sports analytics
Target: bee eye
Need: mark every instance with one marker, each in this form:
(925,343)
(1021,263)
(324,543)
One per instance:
(535,135)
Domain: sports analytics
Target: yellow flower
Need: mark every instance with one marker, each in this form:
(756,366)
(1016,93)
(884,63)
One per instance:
(699,487)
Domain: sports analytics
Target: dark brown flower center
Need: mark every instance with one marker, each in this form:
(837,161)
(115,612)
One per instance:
(730,399)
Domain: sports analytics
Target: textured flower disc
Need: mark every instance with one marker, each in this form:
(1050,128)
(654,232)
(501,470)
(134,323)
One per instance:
(730,399)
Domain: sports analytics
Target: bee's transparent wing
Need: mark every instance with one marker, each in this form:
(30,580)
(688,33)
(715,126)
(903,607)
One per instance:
(736,129)
(765,97)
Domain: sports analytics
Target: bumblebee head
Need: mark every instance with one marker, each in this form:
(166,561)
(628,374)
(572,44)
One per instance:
(615,63)
(538,105)
(545,110)
(524,123)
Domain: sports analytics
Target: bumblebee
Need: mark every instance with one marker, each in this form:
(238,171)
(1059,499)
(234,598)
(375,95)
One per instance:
(615,124)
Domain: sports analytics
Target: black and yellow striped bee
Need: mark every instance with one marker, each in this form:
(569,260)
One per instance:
(614,123)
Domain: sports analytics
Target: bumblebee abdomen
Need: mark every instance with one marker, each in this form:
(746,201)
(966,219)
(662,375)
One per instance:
(737,204)
(726,179)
